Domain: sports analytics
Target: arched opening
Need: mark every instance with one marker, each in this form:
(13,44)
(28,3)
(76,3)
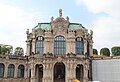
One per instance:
(2,70)
(10,72)
(20,73)
(79,45)
(79,72)
(39,45)
(59,72)
(39,72)
(59,45)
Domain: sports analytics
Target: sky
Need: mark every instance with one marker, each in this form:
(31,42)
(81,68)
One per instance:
(102,16)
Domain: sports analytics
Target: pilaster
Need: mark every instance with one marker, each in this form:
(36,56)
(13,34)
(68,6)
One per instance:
(16,70)
(33,45)
(32,73)
(27,47)
(5,71)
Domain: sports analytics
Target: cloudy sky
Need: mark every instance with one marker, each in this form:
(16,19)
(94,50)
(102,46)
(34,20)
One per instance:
(102,16)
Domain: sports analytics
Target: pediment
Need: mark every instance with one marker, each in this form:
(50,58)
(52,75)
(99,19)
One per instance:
(60,22)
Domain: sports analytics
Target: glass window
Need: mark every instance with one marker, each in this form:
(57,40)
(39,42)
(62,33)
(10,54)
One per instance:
(39,45)
(20,73)
(59,45)
(10,73)
(79,45)
(1,70)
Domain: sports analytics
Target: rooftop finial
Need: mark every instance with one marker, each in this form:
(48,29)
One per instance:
(60,12)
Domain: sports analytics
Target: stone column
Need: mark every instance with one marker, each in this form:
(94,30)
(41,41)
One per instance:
(16,71)
(44,73)
(91,48)
(27,48)
(26,72)
(5,70)
(70,72)
(85,78)
(48,42)
(85,47)
(33,45)
(32,73)
(47,73)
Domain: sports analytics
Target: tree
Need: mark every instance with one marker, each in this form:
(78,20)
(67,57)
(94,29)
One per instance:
(115,51)
(5,49)
(19,51)
(95,51)
(105,52)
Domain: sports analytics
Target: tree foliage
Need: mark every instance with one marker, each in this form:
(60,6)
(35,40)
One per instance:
(105,52)
(115,51)
(19,51)
(95,51)
(5,49)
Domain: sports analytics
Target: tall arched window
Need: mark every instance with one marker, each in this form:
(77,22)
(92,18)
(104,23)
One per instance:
(39,45)
(79,45)
(20,73)
(59,45)
(11,69)
(1,70)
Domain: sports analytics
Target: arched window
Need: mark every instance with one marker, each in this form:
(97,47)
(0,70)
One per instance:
(11,69)
(20,73)
(39,45)
(59,45)
(1,70)
(79,45)
(79,72)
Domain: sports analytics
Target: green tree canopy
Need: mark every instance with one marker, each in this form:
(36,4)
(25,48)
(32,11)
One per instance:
(19,51)
(95,51)
(5,49)
(105,52)
(115,50)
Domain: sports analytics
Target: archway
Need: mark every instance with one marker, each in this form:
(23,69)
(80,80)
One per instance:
(39,72)
(79,72)
(59,72)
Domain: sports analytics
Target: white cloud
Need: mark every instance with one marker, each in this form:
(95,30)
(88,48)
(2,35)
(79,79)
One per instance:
(106,28)
(14,23)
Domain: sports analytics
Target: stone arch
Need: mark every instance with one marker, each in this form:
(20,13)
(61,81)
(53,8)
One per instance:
(59,72)
(2,68)
(39,72)
(21,71)
(80,72)
(11,70)
(79,45)
(59,45)
(60,34)
(39,45)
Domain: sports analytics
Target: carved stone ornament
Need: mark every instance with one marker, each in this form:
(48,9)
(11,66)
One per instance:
(59,59)
(60,22)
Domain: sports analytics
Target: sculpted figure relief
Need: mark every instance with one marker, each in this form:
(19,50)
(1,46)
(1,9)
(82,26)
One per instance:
(60,12)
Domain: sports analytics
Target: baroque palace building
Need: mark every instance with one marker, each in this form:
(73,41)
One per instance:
(58,51)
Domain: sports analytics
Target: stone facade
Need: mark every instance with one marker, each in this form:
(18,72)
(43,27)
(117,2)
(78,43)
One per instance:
(43,65)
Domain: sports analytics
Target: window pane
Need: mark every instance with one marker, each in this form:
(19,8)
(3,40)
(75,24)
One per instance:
(59,45)
(39,45)
(11,69)
(79,46)
(21,71)
(1,70)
